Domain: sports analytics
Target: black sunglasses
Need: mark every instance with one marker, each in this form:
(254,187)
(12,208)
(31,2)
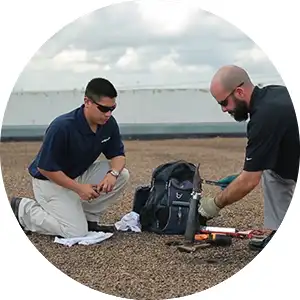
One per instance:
(103,108)
(225,101)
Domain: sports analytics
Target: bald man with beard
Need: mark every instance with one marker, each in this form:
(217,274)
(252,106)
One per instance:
(272,151)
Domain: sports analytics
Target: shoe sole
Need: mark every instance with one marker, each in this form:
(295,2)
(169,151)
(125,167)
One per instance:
(15,203)
(255,248)
(101,227)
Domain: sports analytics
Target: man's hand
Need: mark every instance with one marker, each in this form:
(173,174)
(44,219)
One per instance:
(107,184)
(87,192)
(208,208)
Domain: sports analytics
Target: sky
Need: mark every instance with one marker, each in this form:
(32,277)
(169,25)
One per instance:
(142,45)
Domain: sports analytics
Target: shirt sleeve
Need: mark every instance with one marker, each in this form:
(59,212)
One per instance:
(114,146)
(264,138)
(53,149)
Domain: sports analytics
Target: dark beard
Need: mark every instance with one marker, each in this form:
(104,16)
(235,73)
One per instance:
(240,113)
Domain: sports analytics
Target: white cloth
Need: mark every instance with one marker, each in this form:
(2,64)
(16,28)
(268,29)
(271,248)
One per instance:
(91,238)
(130,221)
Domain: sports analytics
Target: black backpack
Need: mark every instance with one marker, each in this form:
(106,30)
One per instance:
(163,205)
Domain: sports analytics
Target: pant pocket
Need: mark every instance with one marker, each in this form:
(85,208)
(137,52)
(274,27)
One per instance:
(283,181)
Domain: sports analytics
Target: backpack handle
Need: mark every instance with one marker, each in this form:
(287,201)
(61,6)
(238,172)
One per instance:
(168,170)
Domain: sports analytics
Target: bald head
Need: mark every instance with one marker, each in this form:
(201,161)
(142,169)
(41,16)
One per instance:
(232,89)
(228,78)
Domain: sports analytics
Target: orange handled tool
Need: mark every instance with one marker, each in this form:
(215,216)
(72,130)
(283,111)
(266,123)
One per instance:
(215,239)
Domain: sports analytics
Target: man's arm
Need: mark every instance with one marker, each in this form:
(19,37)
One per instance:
(114,151)
(118,163)
(261,154)
(265,134)
(238,189)
(61,179)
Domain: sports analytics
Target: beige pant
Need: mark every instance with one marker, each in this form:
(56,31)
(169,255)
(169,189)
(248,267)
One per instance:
(59,211)
(278,194)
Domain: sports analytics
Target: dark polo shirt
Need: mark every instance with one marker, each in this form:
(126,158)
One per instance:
(71,146)
(273,136)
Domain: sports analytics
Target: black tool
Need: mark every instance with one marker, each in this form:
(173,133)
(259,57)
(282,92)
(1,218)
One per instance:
(194,219)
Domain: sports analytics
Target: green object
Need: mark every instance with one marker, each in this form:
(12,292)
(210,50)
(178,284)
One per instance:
(227,180)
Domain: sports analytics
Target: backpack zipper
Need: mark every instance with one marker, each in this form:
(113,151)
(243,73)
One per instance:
(168,185)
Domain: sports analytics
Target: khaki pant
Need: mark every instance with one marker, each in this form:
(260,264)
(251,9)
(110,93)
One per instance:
(278,194)
(59,211)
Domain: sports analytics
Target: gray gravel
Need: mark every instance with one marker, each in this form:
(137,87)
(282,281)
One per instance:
(142,266)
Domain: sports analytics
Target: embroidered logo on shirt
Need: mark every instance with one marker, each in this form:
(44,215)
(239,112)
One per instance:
(105,140)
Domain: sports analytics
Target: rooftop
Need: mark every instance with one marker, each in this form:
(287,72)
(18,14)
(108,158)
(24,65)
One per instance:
(142,266)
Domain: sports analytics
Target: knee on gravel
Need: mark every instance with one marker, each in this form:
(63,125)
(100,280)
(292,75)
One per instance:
(73,231)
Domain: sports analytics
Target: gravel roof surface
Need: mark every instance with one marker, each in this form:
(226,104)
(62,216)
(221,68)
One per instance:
(141,265)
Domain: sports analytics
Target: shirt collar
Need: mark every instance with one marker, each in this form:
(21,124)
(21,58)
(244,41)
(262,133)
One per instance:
(83,125)
(256,95)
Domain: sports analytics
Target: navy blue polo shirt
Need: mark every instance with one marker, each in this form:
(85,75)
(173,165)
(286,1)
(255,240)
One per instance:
(71,146)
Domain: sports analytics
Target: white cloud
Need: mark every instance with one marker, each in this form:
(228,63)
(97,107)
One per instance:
(166,63)
(162,18)
(84,67)
(129,61)
(70,56)
(199,69)
(254,54)
(144,43)
(99,59)
(106,68)
(74,60)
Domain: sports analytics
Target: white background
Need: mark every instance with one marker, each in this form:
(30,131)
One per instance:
(26,25)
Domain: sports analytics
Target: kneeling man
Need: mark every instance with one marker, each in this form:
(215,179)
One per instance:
(71,187)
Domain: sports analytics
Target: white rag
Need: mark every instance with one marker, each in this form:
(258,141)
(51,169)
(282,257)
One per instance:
(130,221)
(91,238)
